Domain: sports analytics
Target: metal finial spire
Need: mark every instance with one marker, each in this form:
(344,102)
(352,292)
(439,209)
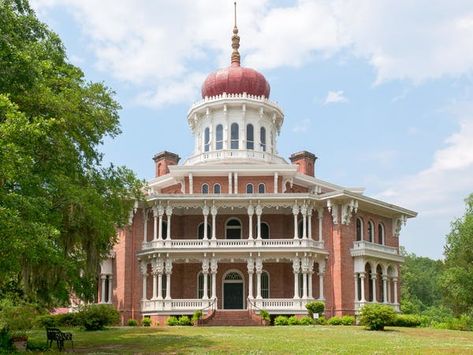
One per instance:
(235,42)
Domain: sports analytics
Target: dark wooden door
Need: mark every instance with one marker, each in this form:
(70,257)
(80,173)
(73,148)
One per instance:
(233,296)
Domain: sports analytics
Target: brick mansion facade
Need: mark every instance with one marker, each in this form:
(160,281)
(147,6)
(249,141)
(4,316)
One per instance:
(237,227)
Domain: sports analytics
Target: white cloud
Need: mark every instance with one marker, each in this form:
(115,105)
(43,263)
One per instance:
(302,126)
(334,97)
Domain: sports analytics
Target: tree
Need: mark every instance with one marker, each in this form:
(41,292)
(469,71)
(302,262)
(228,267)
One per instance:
(457,279)
(59,206)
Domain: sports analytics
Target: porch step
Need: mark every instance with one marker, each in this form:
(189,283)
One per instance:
(233,318)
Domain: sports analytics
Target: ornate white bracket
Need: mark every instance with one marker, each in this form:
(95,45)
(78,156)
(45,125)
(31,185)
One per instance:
(334,210)
(347,210)
(398,222)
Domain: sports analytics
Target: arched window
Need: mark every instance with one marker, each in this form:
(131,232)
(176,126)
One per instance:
(300,229)
(261,188)
(217,189)
(250,138)
(219,137)
(200,285)
(262,136)
(233,229)
(264,230)
(165,230)
(234,136)
(265,284)
(249,188)
(207,139)
(205,188)
(359,229)
(200,231)
(380,234)
(371,231)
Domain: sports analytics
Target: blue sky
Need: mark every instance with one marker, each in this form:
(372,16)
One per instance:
(380,91)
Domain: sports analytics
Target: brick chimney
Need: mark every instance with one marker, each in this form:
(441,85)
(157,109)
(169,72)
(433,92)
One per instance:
(163,160)
(305,162)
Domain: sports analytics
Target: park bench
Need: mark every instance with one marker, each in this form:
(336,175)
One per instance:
(54,334)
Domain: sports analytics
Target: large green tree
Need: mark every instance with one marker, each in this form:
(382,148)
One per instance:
(457,279)
(59,205)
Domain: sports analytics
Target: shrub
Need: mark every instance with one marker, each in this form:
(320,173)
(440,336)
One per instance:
(407,320)
(377,316)
(18,318)
(132,323)
(292,320)
(196,316)
(146,322)
(306,321)
(184,320)
(172,321)
(67,319)
(46,321)
(335,320)
(348,320)
(315,307)
(265,315)
(97,316)
(320,321)
(280,320)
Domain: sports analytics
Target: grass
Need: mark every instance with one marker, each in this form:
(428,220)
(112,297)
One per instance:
(264,340)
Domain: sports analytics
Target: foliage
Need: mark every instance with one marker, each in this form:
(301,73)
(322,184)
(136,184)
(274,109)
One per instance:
(132,323)
(172,321)
(184,320)
(463,322)
(281,320)
(338,320)
(46,321)
(407,320)
(59,205)
(376,316)
(5,339)
(18,318)
(315,307)
(457,278)
(97,316)
(306,321)
(197,315)
(320,321)
(265,315)
(293,320)
(146,322)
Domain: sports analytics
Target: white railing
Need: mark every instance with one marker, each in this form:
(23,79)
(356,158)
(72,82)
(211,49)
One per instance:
(285,305)
(174,305)
(234,154)
(190,244)
(375,247)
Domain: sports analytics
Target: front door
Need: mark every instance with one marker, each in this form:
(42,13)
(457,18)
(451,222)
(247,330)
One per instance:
(233,295)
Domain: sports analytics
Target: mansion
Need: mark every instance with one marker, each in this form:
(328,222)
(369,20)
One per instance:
(237,227)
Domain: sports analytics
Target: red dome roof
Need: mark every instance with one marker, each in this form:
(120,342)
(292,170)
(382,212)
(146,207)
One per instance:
(235,80)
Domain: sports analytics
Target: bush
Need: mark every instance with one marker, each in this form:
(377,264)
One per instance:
(18,318)
(146,322)
(172,321)
(320,321)
(196,316)
(348,320)
(97,316)
(315,307)
(265,315)
(292,320)
(67,320)
(306,321)
(280,320)
(132,323)
(407,320)
(336,320)
(184,320)
(46,321)
(377,316)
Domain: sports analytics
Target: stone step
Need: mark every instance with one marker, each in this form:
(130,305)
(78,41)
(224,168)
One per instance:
(232,318)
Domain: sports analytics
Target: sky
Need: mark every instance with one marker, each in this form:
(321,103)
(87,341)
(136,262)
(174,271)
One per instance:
(380,91)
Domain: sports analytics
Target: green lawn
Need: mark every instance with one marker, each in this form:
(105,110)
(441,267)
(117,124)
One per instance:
(263,340)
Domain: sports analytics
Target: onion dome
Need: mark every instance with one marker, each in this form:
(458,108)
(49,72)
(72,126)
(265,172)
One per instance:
(235,79)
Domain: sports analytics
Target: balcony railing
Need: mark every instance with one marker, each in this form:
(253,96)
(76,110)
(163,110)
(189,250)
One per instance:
(375,247)
(232,244)
(175,305)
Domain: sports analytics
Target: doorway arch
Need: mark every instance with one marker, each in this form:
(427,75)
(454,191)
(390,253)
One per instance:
(233,290)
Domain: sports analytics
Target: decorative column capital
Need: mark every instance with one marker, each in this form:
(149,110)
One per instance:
(159,210)
(213,265)
(259,265)
(168,267)
(305,264)
(157,266)
(362,275)
(144,268)
(213,210)
(205,265)
(295,210)
(320,212)
(250,264)
(309,211)
(296,265)
(168,211)
(304,209)
(205,210)
(103,277)
(259,210)
(251,210)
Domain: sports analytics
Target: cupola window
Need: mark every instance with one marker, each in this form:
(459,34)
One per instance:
(250,139)
(205,189)
(207,139)
(249,188)
(234,136)
(261,188)
(217,188)
(263,138)
(219,137)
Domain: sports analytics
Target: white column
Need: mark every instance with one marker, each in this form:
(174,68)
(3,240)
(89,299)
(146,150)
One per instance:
(304,285)
(251,211)
(160,286)
(362,277)
(259,211)
(213,211)
(102,293)
(296,268)
(235,180)
(295,212)
(320,215)
(213,270)
(160,222)
(145,225)
(356,286)
(168,214)
(385,289)
(144,273)
(168,278)
(230,183)
(304,221)
(321,280)
(395,290)
(205,211)
(389,291)
(259,270)
(251,268)
(155,223)
(205,273)
(110,285)
(276,178)
(310,282)
(309,223)
(373,281)
(191,184)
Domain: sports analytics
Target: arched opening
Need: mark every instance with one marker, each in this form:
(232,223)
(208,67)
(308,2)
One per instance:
(249,188)
(261,188)
(217,189)
(206,139)
(201,230)
(165,285)
(359,229)
(219,137)
(379,284)
(265,284)
(233,290)
(165,230)
(263,138)
(380,233)
(205,188)
(200,285)
(369,275)
(250,139)
(234,136)
(371,231)
(233,229)
(300,229)
(264,230)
